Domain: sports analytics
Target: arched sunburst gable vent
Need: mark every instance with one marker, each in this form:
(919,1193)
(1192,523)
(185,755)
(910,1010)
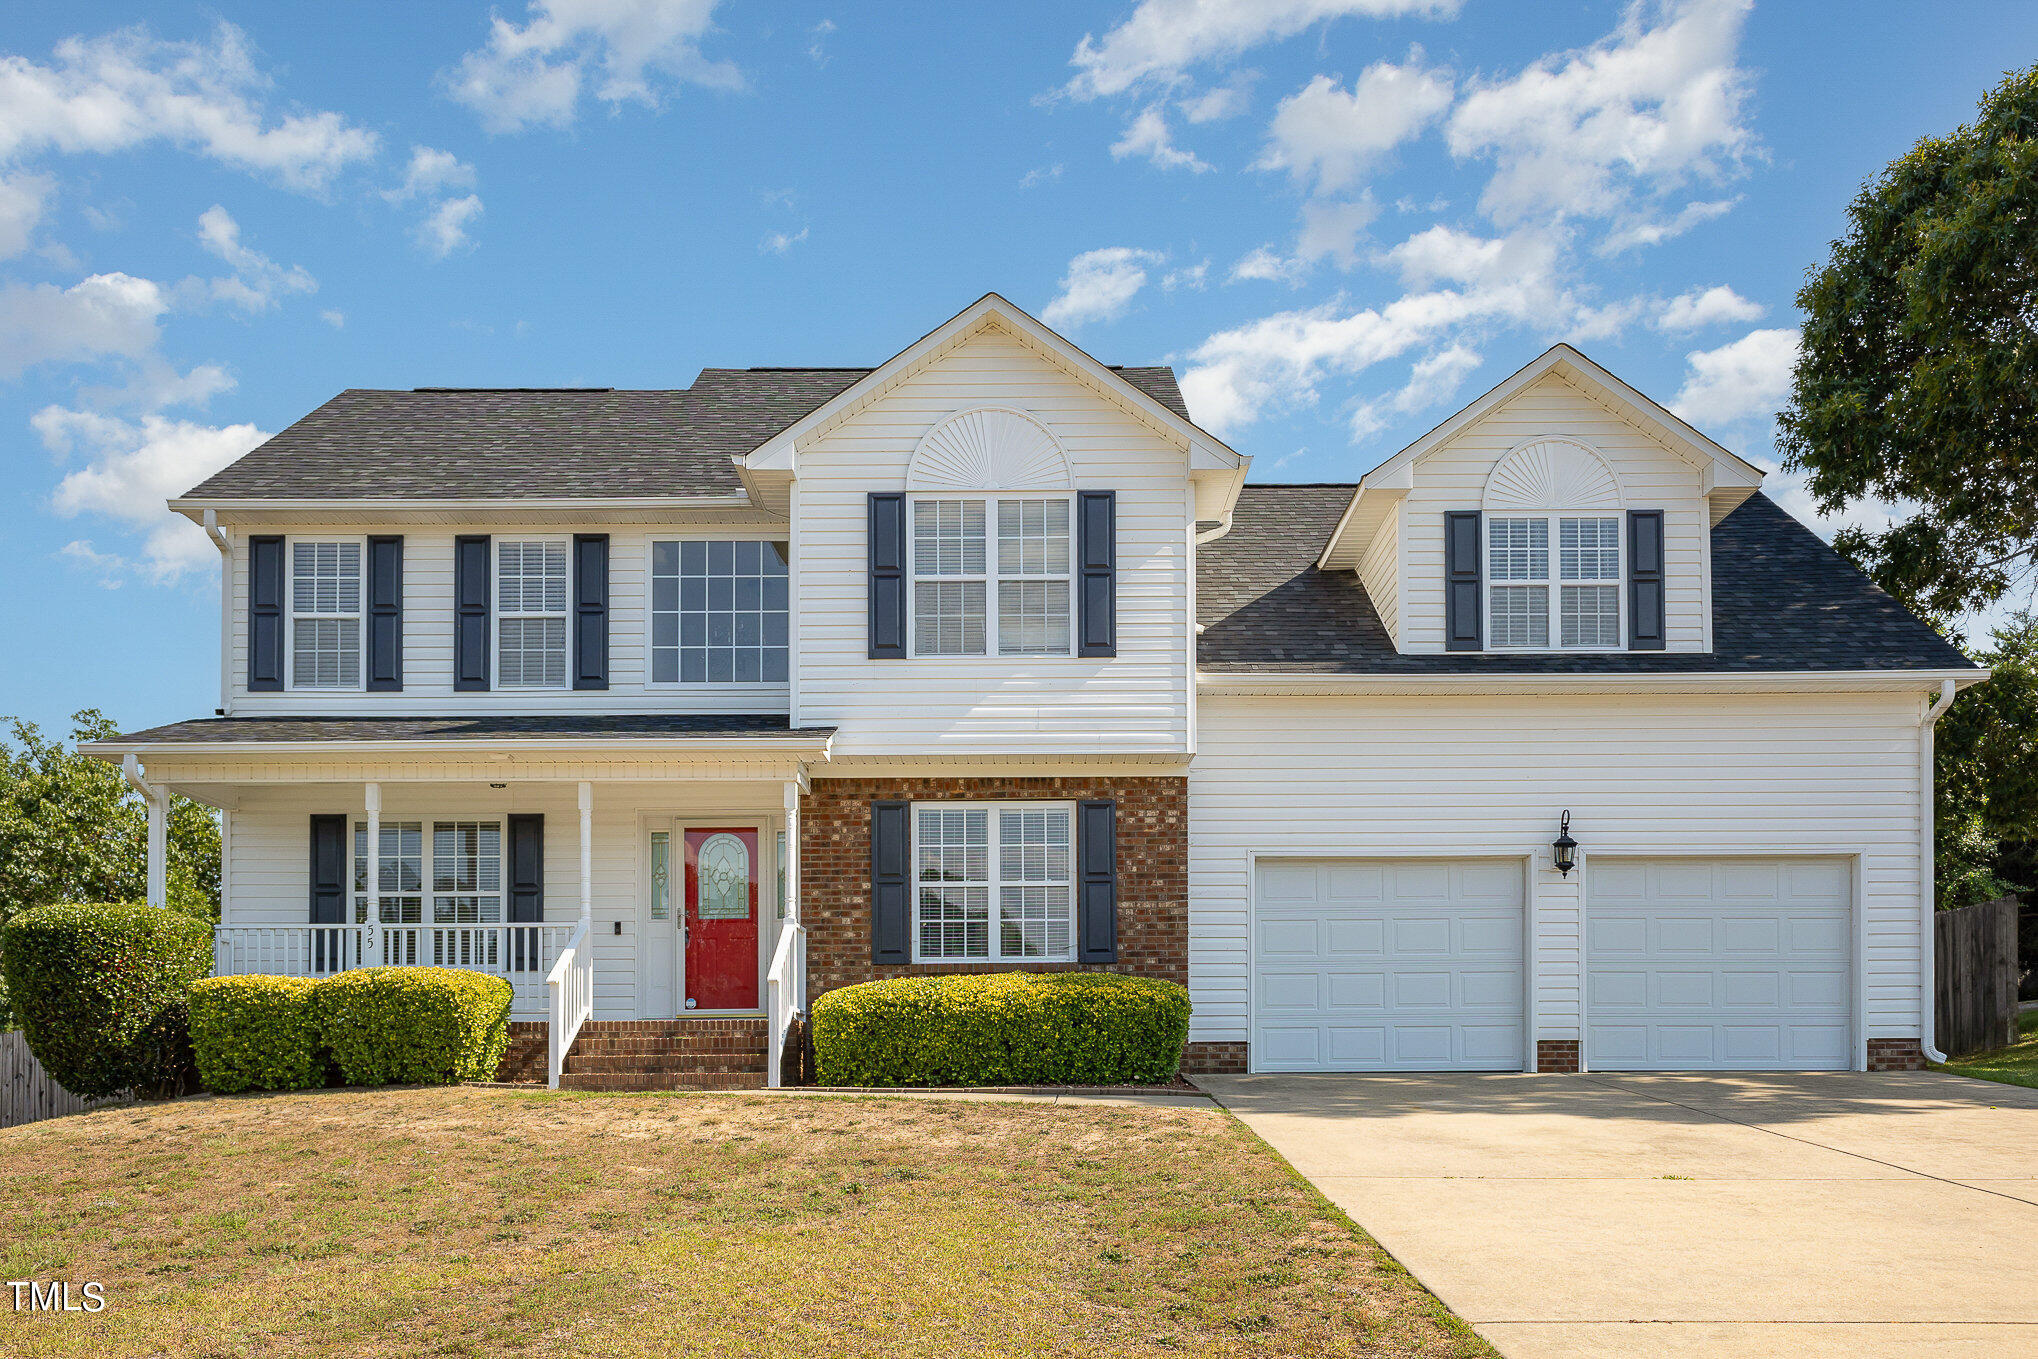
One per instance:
(1552,473)
(989,448)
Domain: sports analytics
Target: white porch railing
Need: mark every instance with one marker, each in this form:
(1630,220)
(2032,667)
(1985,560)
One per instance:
(783,998)
(571,983)
(522,955)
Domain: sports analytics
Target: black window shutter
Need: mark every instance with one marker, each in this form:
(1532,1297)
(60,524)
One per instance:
(1646,630)
(385,613)
(891,905)
(1462,631)
(887,575)
(265,614)
(471,593)
(526,888)
(1097,855)
(1097,550)
(590,610)
(329,866)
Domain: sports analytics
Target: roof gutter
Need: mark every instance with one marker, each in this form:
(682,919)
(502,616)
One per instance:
(1699,681)
(1928,899)
(680,746)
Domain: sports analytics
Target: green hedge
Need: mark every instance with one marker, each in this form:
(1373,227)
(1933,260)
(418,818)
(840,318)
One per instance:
(1010,1028)
(99,990)
(413,1025)
(256,1033)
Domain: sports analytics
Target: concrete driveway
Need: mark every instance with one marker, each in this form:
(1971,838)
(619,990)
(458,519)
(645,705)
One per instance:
(1723,1215)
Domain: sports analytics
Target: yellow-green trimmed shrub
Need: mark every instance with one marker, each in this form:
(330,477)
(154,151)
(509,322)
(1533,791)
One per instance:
(99,991)
(413,1025)
(256,1033)
(1007,1028)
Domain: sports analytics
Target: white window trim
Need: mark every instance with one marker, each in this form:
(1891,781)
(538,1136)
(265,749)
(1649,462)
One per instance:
(990,577)
(1554,581)
(496,614)
(427,859)
(651,613)
(994,880)
(290,683)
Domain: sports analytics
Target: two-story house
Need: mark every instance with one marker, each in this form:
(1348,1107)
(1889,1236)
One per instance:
(1551,742)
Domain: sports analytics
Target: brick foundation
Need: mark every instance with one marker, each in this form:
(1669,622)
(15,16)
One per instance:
(524,1059)
(1557,1055)
(1153,872)
(1895,1054)
(1215,1059)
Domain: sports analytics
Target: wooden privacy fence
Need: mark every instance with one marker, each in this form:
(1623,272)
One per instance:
(28,1093)
(1976,949)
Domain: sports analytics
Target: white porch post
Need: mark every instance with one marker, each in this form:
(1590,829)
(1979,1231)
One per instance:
(587,858)
(372,796)
(157,878)
(791,867)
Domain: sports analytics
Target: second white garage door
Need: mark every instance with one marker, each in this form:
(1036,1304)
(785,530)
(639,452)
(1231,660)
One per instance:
(1379,965)
(1698,964)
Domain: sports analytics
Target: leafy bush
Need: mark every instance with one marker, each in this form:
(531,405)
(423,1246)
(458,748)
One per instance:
(1010,1028)
(256,1033)
(99,990)
(413,1025)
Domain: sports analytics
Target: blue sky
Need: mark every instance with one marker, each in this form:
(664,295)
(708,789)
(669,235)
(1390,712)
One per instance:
(1339,219)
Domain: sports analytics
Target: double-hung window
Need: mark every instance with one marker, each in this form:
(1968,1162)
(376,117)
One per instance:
(401,873)
(1553,580)
(325,614)
(993,882)
(457,869)
(531,601)
(991,572)
(718,613)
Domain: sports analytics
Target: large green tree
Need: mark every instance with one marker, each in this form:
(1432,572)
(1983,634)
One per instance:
(1917,379)
(71,829)
(1987,749)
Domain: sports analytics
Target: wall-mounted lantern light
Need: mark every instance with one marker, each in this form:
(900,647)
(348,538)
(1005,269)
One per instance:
(1564,849)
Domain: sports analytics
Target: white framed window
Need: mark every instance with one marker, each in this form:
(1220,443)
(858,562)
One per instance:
(991,571)
(1554,582)
(993,882)
(531,597)
(401,873)
(325,613)
(466,872)
(719,612)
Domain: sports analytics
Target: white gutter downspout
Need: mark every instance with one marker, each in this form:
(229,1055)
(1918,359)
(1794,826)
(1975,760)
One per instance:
(1928,903)
(159,844)
(226,606)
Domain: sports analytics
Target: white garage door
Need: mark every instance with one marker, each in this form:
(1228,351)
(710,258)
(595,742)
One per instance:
(1373,965)
(1736,964)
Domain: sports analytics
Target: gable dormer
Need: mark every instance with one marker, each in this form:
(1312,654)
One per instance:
(1563,511)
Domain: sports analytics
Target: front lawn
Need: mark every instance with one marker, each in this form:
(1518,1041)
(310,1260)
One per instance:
(482,1222)
(2016,1064)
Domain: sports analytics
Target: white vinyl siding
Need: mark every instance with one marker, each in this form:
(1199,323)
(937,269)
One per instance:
(530,613)
(1380,572)
(993,882)
(325,614)
(1718,775)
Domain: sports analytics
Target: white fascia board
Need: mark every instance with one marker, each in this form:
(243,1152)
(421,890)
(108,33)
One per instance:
(1702,682)
(394,508)
(672,748)
(778,451)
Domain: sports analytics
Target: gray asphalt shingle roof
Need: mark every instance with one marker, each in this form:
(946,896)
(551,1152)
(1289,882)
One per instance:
(506,443)
(483,727)
(1782,600)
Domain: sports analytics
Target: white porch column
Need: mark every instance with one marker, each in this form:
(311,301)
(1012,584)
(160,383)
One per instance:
(372,797)
(157,879)
(587,856)
(791,868)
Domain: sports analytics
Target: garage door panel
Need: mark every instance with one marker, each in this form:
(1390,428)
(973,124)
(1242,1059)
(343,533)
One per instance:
(1439,980)
(1728,964)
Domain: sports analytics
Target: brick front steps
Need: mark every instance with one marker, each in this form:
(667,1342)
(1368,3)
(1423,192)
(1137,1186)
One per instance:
(647,1054)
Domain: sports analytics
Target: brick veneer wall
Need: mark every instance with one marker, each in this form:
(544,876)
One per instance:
(1214,1059)
(1153,871)
(1895,1054)
(1557,1054)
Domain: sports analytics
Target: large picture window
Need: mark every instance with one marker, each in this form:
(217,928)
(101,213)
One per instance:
(993,882)
(718,613)
(325,615)
(531,595)
(1553,577)
(990,571)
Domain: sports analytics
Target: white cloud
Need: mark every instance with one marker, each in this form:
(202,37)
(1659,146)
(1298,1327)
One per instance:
(1218,104)
(133,468)
(1738,381)
(104,316)
(1099,286)
(1432,380)
(123,90)
(1148,135)
(444,228)
(23,200)
(817,49)
(1330,135)
(1265,264)
(1633,230)
(1714,306)
(109,569)
(1188,276)
(334,317)
(1635,115)
(623,51)
(258,282)
(431,171)
(1040,175)
(1331,230)
(1162,39)
(778,242)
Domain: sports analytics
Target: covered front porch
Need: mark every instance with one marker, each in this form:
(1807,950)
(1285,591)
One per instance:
(608,881)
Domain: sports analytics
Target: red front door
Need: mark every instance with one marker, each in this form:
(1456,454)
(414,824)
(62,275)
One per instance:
(721,919)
